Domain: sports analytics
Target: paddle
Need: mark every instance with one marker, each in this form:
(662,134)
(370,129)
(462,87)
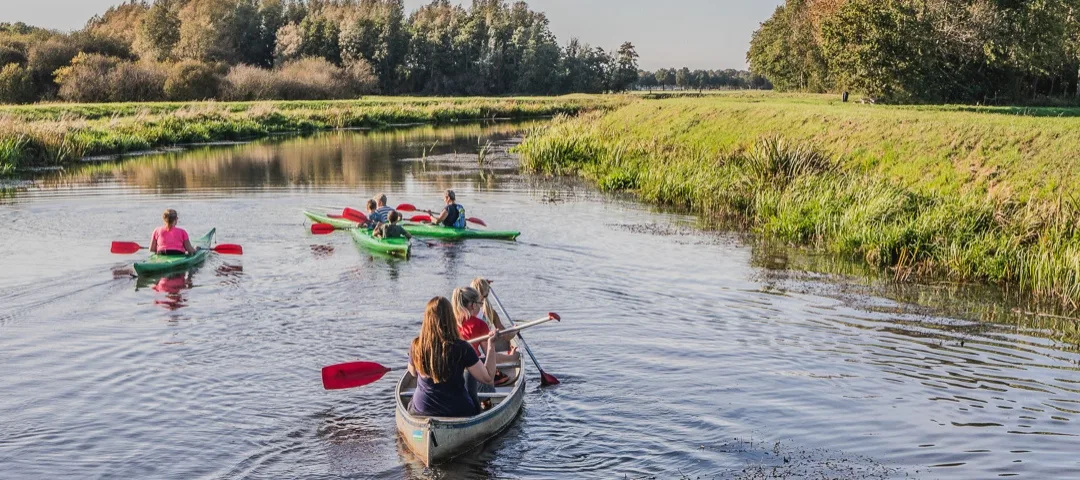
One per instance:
(358,374)
(127,248)
(322,229)
(354,215)
(546,379)
(408,207)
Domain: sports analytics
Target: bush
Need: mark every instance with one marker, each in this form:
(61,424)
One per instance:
(93,78)
(362,76)
(9,54)
(192,80)
(16,84)
(47,57)
(246,83)
(313,79)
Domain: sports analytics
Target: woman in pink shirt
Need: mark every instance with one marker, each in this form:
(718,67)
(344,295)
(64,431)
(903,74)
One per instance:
(170,239)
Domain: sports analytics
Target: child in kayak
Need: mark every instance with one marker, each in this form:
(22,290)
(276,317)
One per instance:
(170,239)
(453,215)
(392,229)
(438,358)
(373,220)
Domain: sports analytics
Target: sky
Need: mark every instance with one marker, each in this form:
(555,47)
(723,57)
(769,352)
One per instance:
(700,34)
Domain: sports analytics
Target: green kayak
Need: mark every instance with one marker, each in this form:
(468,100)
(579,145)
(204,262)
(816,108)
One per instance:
(164,263)
(392,246)
(338,223)
(448,233)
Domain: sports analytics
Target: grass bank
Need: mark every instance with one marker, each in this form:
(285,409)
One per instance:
(953,192)
(54,134)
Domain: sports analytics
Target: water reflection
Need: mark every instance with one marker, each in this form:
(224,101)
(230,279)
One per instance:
(339,158)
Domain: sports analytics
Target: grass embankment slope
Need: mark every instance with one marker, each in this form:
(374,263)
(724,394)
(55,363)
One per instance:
(53,134)
(987,194)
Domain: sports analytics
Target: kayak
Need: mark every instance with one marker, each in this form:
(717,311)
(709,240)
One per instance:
(448,233)
(164,263)
(421,229)
(437,439)
(338,223)
(392,246)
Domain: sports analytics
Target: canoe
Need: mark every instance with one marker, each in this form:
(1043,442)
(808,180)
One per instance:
(438,439)
(165,263)
(392,246)
(338,223)
(448,233)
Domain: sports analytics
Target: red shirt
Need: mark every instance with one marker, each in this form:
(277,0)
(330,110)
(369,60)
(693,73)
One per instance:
(473,328)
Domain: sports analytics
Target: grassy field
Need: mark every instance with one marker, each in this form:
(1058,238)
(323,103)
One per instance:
(54,134)
(963,193)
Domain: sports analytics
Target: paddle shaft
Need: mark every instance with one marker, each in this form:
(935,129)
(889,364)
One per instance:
(495,297)
(514,329)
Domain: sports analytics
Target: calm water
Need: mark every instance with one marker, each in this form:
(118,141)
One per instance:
(682,353)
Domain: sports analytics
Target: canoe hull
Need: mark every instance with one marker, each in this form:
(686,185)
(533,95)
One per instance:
(396,246)
(435,439)
(168,263)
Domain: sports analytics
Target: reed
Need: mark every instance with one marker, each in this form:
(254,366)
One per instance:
(771,177)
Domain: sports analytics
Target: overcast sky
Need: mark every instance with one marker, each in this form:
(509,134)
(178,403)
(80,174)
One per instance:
(673,33)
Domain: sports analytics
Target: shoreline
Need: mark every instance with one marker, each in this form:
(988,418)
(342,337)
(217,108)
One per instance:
(921,194)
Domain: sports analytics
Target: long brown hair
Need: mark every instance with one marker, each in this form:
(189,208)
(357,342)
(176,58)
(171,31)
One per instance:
(483,287)
(431,350)
(169,217)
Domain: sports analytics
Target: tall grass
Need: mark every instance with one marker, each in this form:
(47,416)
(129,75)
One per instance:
(56,134)
(804,193)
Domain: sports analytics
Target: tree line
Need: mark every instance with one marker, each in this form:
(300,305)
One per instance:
(977,51)
(297,49)
(686,79)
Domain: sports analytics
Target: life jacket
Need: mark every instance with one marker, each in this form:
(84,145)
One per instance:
(458,222)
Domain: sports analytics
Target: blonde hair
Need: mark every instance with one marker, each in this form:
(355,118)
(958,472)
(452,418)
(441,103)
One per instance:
(430,352)
(462,298)
(169,217)
(483,287)
(381,198)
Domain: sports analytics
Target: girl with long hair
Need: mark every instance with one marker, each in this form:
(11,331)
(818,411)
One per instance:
(438,358)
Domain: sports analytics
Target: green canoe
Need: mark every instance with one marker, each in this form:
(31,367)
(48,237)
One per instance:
(164,263)
(439,231)
(338,223)
(392,246)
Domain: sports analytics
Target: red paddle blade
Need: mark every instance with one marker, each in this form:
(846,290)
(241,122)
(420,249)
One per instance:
(547,379)
(322,229)
(477,221)
(354,215)
(421,219)
(406,207)
(555,316)
(125,248)
(229,249)
(352,375)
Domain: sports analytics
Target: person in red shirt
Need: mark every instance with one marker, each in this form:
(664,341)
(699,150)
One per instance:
(467,304)
(170,239)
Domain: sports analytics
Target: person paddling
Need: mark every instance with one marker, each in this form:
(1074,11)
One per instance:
(382,212)
(467,304)
(170,239)
(438,358)
(392,229)
(453,215)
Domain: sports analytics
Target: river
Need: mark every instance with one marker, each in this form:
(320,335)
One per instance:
(682,353)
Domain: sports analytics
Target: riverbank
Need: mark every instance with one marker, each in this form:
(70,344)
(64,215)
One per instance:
(926,192)
(55,134)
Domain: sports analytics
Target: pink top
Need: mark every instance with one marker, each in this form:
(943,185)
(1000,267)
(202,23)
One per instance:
(170,239)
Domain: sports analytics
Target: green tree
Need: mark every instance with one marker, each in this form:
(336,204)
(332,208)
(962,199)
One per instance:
(159,32)
(626,68)
(16,84)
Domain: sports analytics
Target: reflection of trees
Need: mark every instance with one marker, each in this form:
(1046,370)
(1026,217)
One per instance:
(782,267)
(332,158)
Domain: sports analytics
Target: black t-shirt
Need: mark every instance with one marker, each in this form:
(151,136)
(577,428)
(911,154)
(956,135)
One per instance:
(451,397)
(452,215)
